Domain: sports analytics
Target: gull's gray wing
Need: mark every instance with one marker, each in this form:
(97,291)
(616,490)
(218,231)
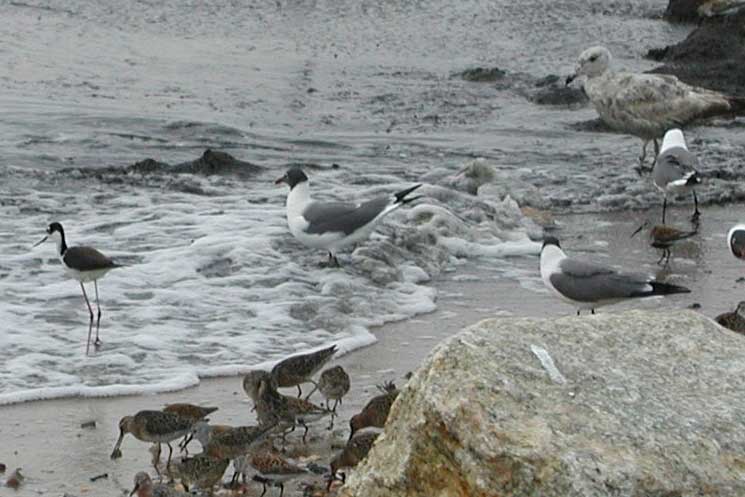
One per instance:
(674,164)
(342,217)
(589,282)
(87,259)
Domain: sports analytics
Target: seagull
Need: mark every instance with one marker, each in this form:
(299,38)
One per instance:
(675,170)
(587,285)
(646,105)
(736,241)
(83,264)
(334,225)
(663,237)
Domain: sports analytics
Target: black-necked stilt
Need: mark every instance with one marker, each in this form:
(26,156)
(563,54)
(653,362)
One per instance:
(587,285)
(675,170)
(83,264)
(334,225)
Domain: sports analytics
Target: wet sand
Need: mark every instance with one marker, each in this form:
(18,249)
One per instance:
(45,438)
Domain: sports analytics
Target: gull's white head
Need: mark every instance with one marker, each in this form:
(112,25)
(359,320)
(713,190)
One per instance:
(736,241)
(591,63)
(673,138)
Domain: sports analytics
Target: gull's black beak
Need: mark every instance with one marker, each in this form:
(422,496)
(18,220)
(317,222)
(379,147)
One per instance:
(283,179)
(637,230)
(40,241)
(137,486)
(570,78)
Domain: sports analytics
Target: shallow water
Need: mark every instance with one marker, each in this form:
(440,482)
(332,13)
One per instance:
(214,283)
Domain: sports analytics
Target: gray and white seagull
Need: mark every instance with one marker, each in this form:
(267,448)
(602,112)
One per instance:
(646,105)
(587,285)
(675,170)
(334,225)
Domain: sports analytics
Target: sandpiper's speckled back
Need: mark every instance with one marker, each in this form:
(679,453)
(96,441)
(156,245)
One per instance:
(158,426)
(201,471)
(273,466)
(375,413)
(236,441)
(144,486)
(334,383)
(300,368)
(355,451)
(189,411)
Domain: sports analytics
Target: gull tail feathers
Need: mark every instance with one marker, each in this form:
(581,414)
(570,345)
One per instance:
(401,197)
(693,178)
(663,289)
(737,105)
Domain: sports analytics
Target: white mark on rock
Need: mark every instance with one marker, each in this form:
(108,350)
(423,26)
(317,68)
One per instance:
(548,364)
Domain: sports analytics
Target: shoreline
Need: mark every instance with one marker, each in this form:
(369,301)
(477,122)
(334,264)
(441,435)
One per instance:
(45,437)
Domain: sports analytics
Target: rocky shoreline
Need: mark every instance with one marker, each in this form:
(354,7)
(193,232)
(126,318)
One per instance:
(633,403)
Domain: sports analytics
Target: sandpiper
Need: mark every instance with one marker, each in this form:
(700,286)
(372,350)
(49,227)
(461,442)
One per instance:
(276,409)
(236,442)
(587,285)
(375,412)
(734,320)
(663,237)
(83,264)
(191,412)
(203,432)
(300,368)
(152,426)
(144,487)
(736,241)
(333,385)
(272,468)
(201,471)
(334,225)
(355,451)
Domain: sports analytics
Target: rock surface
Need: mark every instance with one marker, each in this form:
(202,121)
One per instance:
(683,10)
(637,403)
(711,56)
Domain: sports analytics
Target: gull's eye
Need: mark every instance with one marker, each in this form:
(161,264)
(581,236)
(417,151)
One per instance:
(593,58)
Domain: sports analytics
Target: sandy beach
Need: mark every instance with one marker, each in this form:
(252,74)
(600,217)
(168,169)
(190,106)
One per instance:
(45,438)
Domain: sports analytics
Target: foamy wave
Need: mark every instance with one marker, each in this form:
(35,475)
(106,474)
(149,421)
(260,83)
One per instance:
(216,285)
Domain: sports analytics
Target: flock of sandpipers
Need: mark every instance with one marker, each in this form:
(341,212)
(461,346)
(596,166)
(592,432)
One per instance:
(649,106)
(261,448)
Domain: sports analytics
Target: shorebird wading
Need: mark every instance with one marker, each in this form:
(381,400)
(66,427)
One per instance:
(587,285)
(83,264)
(334,225)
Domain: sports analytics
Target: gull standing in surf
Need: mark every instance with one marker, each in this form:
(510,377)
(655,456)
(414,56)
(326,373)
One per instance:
(646,105)
(736,241)
(675,170)
(588,286)
(83,264)
(334,225)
